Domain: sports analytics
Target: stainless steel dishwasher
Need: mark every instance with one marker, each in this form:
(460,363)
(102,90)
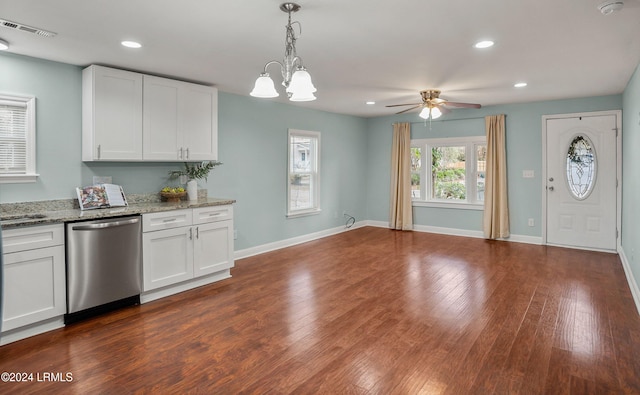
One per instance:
(104,271)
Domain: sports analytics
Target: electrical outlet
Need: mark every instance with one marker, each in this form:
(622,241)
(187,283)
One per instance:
(102,180)
(532,222)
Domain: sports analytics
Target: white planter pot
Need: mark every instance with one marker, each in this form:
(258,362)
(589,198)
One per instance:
(192,190)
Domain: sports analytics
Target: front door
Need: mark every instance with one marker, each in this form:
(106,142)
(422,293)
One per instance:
(581,181)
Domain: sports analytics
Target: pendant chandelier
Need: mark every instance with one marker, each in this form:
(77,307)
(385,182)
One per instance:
(295,78)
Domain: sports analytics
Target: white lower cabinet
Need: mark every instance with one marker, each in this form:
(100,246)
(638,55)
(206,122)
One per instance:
(184,249)
(34,293)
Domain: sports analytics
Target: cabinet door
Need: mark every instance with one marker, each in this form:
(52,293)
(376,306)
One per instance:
(160,119)
(34,286)
(199,122)
(213,247)
(167,257)
(112,114)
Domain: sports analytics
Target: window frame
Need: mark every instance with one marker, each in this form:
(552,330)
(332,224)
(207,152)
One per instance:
(314,158)
(30,174)
(470,143)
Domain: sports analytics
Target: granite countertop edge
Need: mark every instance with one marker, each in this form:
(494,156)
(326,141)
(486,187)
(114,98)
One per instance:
(51,217)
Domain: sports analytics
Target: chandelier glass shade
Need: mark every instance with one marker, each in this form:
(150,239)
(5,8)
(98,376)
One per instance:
(295,78)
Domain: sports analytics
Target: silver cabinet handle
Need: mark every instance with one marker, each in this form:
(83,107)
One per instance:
(550,178)
(551,188)
(190,233)
(99,151)
(198,233)
(180,153)
(187,157)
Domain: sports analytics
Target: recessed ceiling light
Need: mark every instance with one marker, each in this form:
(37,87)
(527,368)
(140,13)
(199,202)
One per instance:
(520,84)
(484,44)
(131,44)
(3,45)
(609,7)
(371,103)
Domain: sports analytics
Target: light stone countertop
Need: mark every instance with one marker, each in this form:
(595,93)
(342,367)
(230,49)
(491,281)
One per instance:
(15,215)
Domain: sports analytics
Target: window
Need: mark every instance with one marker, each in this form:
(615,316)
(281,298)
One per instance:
(17,139)
(446,172)
(581,167)
(303,184)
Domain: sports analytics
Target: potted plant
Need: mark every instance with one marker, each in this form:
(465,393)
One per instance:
(193,172)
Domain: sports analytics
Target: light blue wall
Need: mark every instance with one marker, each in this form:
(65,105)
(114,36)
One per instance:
(631,173)
(524,152)
(252,146)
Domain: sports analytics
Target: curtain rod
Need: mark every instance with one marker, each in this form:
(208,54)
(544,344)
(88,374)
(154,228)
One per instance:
(447,120)
(443,120)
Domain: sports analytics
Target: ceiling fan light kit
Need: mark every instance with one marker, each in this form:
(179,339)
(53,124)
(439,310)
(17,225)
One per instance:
(432,105)
(295,78)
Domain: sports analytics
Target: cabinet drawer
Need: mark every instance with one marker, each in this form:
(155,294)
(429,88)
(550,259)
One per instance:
(205,215)
(166,220)
(32,237)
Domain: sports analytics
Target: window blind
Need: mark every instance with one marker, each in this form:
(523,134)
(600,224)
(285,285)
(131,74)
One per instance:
(13,137)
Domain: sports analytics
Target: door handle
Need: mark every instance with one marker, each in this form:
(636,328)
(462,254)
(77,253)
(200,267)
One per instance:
(550,178)
(551,188)
(102,225)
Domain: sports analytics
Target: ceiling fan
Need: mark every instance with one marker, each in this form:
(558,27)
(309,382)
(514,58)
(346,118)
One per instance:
(432,105)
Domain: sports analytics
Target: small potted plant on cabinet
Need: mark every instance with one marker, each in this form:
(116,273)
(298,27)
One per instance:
(193,172)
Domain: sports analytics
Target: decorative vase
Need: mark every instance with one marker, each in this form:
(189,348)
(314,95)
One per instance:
(192,189)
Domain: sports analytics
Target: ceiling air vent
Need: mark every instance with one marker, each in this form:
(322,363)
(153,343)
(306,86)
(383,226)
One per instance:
(25,28)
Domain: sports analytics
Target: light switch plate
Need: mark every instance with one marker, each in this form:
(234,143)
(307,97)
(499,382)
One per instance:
(528,173)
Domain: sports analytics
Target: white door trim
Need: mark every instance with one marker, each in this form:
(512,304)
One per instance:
(618,114)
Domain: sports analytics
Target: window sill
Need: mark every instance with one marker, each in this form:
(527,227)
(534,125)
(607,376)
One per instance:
(18,178)
(456,205)
(303,213)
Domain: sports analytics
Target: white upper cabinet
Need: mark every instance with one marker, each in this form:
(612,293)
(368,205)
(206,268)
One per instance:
(180,120)
(111,114)
(130,116)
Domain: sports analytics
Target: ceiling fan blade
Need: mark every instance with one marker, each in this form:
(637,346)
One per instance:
(465,105)
(409,109)
(443,109)
(399,105)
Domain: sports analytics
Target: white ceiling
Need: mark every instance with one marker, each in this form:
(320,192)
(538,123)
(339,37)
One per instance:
(355,50)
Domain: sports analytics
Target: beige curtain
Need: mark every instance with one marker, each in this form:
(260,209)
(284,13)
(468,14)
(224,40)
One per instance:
(401,215)
(496,207)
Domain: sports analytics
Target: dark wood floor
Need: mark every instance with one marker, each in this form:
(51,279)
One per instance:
(371,311)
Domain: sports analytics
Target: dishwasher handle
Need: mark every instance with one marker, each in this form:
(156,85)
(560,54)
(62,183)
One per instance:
(102,225)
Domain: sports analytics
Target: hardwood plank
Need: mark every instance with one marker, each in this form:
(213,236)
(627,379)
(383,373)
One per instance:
(369,311)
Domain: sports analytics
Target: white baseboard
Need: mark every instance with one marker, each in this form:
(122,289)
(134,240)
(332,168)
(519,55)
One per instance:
(31,330)
(159,293)
(633,285)
(460,232)
(276,245)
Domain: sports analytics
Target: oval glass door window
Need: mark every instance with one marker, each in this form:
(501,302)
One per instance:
(581,167)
